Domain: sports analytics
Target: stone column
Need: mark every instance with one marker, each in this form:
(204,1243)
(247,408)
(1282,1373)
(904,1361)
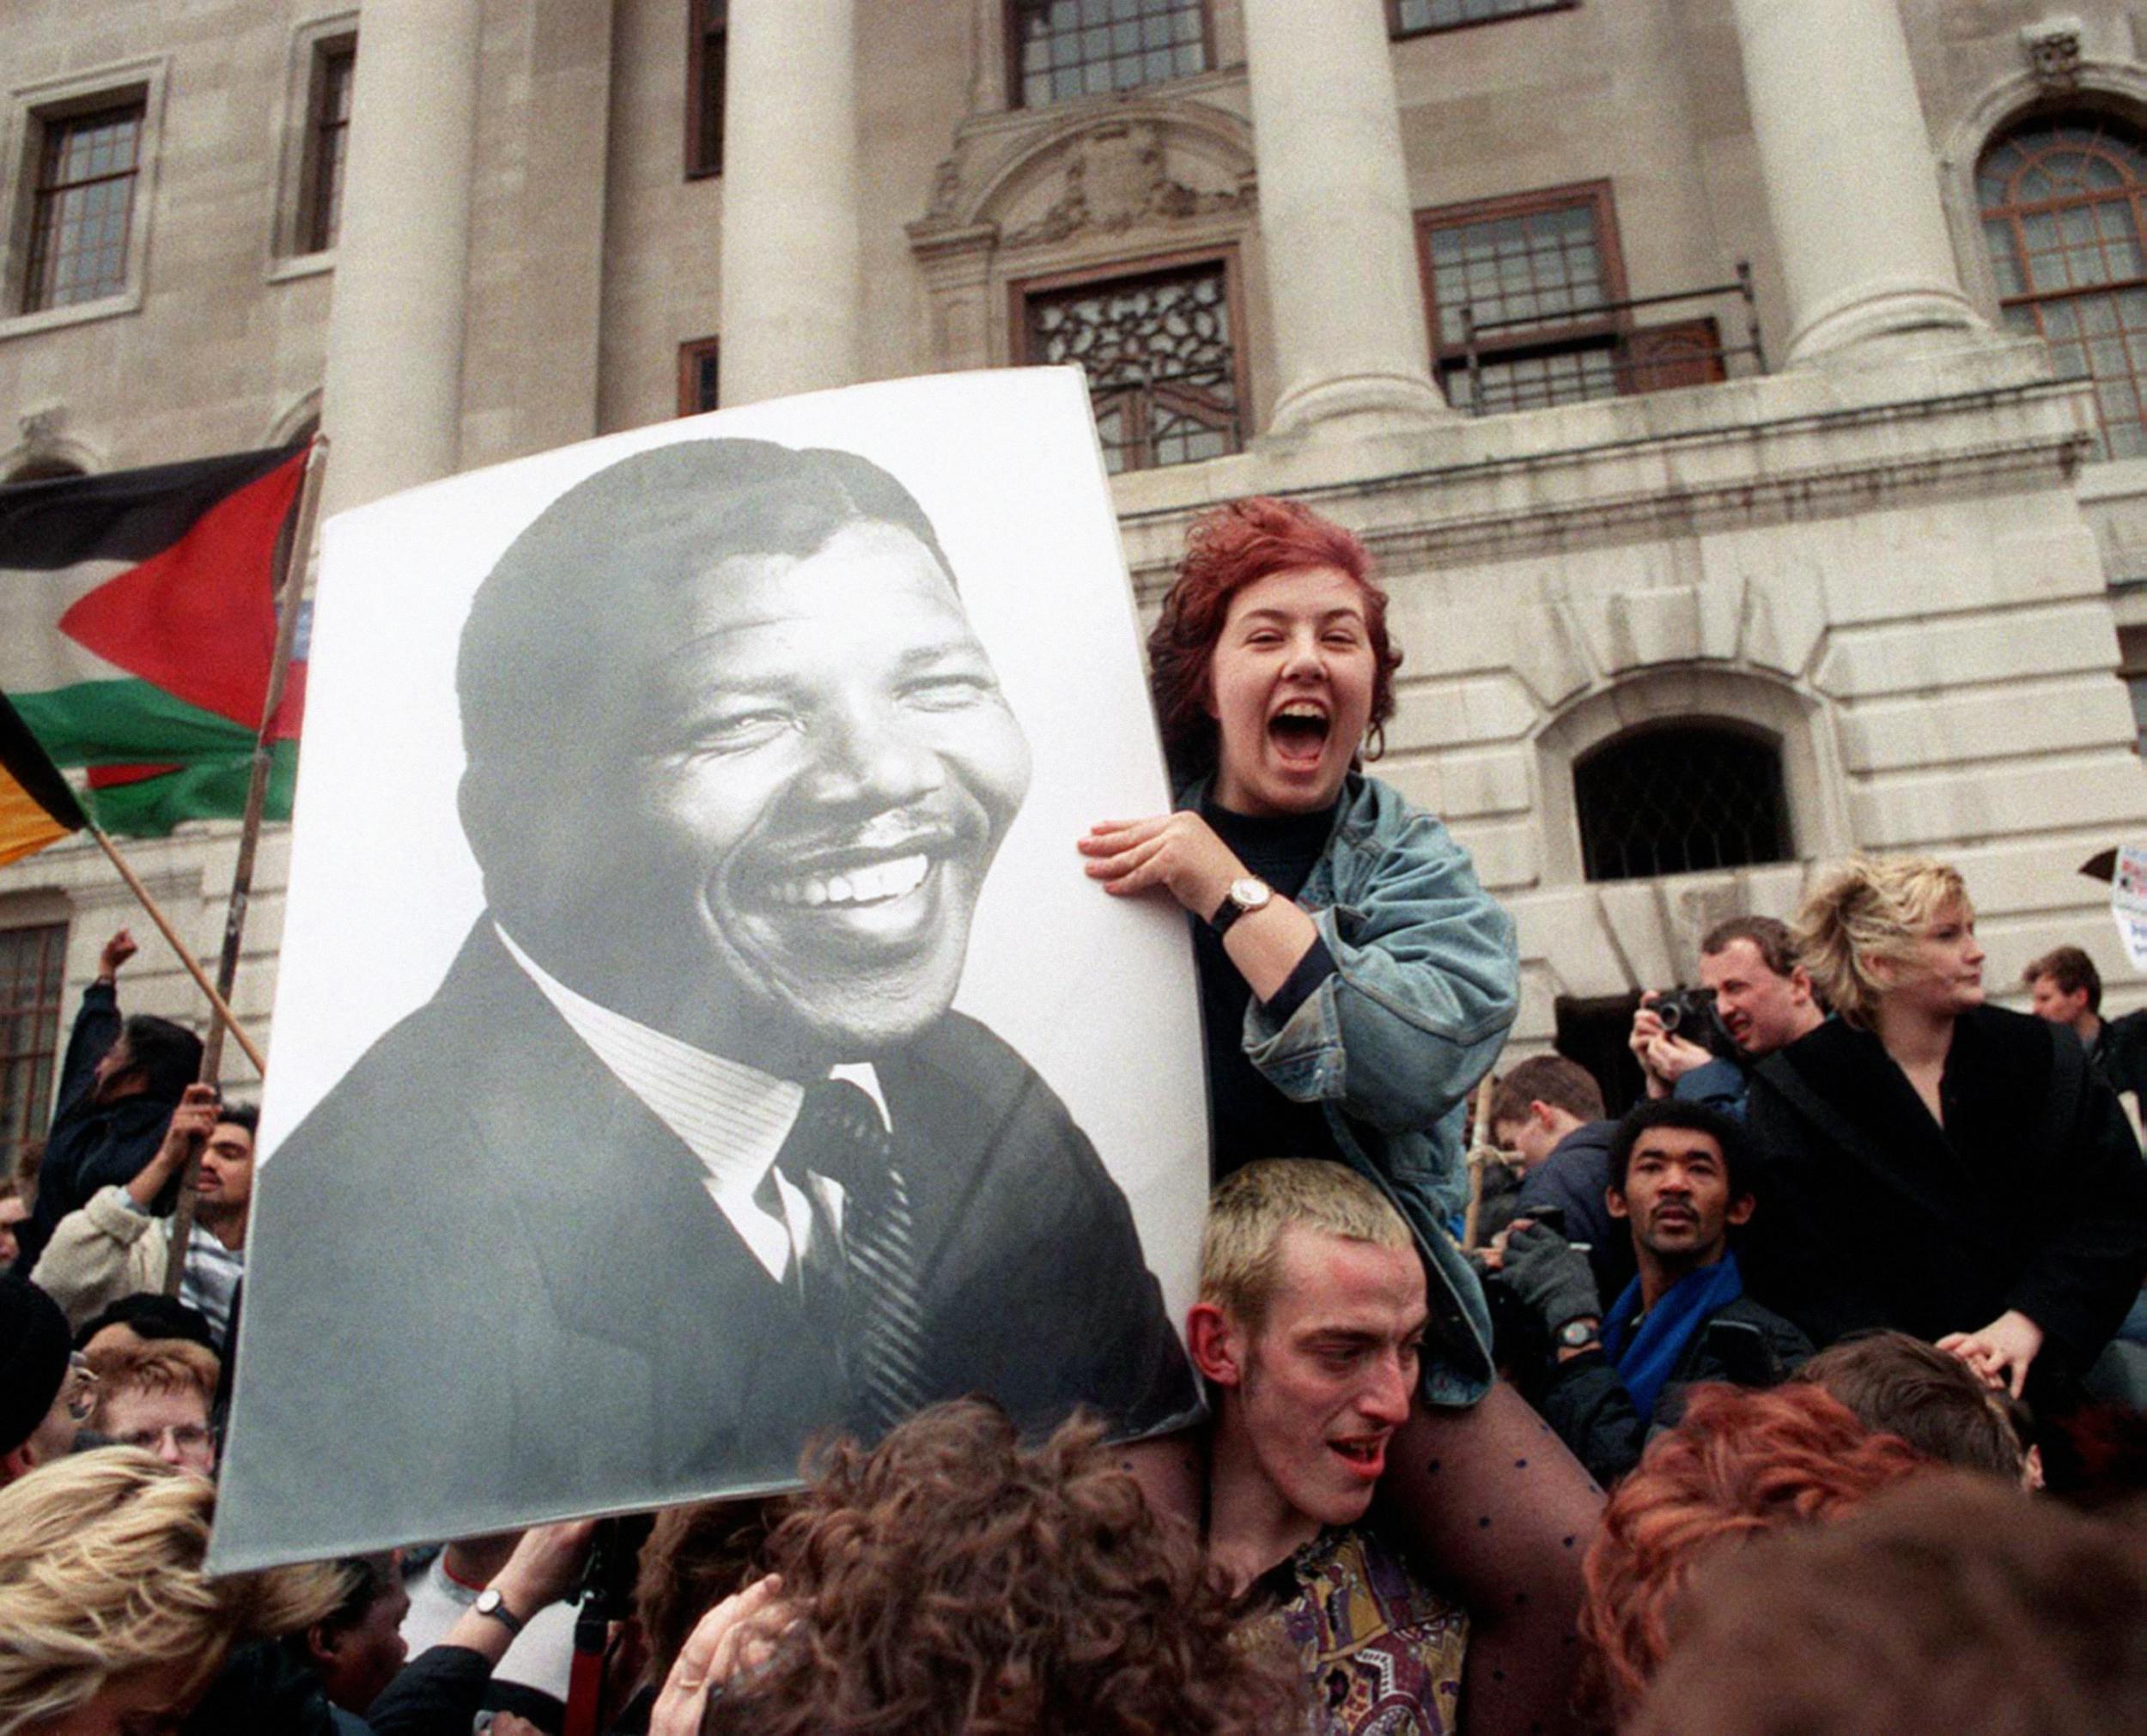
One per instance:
(392,401)
(1335,220)
(1852,185)
(789,262)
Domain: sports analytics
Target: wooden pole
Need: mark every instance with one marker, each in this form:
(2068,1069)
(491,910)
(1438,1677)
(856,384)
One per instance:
(289,593)
(216,1002)
(1479,1155)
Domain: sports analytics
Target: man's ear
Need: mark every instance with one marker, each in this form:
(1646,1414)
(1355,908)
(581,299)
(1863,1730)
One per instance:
(323,1643)
(1217,1346)
(1800,984)
(1613,1202)
(17,1462)
(1740,1210)
(1543,1114)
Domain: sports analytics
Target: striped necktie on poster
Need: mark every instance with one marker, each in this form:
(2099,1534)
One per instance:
(839,1134)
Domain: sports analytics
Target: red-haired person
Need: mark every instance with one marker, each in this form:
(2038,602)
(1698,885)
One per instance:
(1739,1464)
(1356,983)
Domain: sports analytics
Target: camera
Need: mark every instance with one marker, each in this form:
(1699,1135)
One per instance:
(1688,1013)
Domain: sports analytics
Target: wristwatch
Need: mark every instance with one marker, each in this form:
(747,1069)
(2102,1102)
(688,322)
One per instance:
(1245,895)
(490,1603)
(1576,1335)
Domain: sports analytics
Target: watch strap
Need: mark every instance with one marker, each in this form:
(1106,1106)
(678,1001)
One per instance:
(490,1603)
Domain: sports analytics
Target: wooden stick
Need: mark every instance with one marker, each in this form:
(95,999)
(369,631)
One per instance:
(290,588)
(1478,1146)
(164,926)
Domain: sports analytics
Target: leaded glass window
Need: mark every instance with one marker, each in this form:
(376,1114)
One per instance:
(2062,214)
(33,969)
(335,68)
(1545,260)
(1069,48)
(1407,17)
(83,206)
(1677,798)
(1160,353)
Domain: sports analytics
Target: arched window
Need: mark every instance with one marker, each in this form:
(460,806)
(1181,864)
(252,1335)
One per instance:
(1672,799)
(2062,214)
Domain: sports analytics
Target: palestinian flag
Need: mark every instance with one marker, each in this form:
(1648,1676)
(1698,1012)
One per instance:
(137,624)
(36,806)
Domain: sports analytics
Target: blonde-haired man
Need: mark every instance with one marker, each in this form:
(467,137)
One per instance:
(156,1395)
(1311,1314)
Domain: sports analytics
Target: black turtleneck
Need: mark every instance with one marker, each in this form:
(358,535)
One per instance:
(1248,1117)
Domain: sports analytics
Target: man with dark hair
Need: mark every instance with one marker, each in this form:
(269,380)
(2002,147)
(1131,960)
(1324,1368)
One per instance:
(2064,987)
(115,1246)
(1763,1001)
(118,1083)
(1548,1111)
(691,1153)
(1680,1184)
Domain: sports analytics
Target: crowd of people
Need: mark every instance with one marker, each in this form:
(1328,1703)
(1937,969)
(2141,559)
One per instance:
(1805,1396)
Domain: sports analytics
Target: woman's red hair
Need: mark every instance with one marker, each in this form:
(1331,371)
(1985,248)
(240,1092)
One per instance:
(1227,549)
(1739,1464)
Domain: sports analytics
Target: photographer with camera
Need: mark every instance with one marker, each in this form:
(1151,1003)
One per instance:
(1754,998)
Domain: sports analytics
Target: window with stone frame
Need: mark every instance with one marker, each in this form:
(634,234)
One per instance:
(1163,354)
(33,972)
(1676,799)
(1541,270)
(2062,197)
(707,30)
(1415,17)
(699,375)
(85,165)
(335,65)
(1062,49)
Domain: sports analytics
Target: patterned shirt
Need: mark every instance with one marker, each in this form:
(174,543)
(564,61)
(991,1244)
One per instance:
(1381,1651)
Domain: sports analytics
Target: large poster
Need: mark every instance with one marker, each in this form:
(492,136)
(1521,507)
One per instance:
(695,1031)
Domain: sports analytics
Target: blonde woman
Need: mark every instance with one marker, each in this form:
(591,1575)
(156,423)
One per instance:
(1934,1164)
(110,1623)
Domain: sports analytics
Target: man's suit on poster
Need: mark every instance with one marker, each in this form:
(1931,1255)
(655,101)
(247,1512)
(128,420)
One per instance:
(530,1305)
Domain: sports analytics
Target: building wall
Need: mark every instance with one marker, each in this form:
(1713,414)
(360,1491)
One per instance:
(1904,572)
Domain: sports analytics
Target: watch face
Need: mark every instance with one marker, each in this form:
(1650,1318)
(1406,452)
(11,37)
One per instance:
(1248,894)
(488,1601)
(1575,1333)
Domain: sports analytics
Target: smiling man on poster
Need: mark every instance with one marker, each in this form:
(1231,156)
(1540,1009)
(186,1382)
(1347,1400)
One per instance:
(690,1155)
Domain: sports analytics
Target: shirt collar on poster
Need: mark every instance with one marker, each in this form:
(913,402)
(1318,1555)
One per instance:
(732,1117)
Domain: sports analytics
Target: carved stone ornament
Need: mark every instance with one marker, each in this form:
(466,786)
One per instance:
(2054,53)
(1115,179)
(41,428)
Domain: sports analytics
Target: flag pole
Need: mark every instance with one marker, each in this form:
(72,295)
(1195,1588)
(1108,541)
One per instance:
(289,592)
(216,1002)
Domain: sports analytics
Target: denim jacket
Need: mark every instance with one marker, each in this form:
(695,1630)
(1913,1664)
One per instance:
(1427,980)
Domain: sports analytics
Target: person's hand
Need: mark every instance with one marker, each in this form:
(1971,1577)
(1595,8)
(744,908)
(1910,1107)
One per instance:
(1663,1059)
(1179,852)
(117,951)
(544,1566)
(738,1634)
(1550,1274)
(2002,1352)
(191,1122)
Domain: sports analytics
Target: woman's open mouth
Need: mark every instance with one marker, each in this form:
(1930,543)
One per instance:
(1299,730)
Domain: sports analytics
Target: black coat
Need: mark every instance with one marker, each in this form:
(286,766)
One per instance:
(91,1146)
(2032,1197)
(1588,1406)
(486,1285)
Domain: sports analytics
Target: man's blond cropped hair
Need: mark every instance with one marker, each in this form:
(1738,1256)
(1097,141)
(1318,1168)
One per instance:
(101,1576)
(1241,1248)
(159,1366)
(1870,910)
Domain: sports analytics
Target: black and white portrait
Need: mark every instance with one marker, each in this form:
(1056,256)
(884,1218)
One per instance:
(696,1033)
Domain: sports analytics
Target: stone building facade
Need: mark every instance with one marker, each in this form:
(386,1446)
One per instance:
(1821,545)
